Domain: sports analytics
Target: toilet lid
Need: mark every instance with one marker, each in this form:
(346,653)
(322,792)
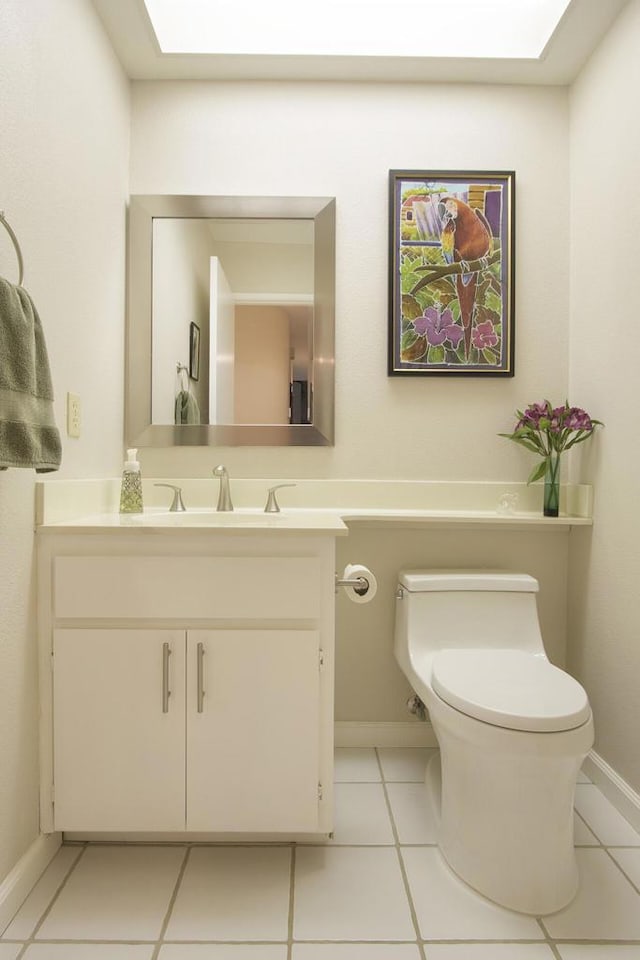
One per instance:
(510,688)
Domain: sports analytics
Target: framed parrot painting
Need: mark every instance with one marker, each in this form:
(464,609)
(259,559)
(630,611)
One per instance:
(451,266)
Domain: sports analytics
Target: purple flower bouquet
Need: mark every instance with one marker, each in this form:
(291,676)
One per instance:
(548,431)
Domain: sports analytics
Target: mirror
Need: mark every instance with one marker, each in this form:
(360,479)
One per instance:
(230,321)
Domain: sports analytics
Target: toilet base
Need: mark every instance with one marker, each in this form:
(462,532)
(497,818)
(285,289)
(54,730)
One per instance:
(505,822)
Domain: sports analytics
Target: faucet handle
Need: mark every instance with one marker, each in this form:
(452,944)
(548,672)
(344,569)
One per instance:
(272,504)
(177,506)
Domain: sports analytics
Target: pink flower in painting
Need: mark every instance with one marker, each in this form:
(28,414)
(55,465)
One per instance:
(484,336)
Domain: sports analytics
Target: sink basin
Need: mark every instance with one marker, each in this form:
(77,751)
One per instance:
(242,517)
(250,520)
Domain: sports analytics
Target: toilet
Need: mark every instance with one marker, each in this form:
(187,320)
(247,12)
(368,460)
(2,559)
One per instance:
(512,729)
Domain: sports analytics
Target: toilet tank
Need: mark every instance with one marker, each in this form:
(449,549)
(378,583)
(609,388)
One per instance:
(491,609)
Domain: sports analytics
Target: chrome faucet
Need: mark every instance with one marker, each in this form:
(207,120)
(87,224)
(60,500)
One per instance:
(177,504)
(224,497)
(272,504)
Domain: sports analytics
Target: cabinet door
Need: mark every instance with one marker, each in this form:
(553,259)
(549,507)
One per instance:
(253,739)
(118,738)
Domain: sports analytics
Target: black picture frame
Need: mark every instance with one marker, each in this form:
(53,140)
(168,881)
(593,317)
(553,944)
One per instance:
(194,351)
(451,273)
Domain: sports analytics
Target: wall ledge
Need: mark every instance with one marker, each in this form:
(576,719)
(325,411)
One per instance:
(357,501)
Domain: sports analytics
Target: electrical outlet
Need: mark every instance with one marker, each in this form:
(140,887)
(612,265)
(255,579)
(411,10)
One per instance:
(73,415)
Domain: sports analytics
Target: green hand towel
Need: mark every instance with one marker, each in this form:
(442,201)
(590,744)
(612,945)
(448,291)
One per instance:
(187,409)
(28,433)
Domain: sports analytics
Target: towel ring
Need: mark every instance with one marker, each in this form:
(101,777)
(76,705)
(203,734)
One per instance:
(16,245)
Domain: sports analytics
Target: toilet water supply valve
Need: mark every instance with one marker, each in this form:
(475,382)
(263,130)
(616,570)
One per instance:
(417,707)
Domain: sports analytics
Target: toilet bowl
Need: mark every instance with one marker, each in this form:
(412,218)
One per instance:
(512,729)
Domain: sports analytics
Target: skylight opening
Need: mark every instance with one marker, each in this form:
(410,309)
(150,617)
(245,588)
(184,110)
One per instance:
(490,29)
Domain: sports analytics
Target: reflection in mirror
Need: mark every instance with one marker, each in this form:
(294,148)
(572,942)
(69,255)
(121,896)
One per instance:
(246,287)
(230,321)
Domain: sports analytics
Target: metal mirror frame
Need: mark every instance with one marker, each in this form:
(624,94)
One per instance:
(143,209)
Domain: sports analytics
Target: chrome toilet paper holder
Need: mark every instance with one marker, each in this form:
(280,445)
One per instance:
(359,584)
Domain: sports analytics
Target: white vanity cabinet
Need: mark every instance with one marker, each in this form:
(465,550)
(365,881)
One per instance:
(118,757)
(187,683)
(255,730)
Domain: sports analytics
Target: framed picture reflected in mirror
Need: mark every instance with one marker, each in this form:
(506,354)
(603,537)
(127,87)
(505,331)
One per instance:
(194,351)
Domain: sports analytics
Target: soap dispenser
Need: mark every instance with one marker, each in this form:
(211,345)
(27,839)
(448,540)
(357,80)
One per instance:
(131,489)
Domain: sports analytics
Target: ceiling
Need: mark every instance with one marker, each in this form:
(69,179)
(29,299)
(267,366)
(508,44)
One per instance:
(577,35)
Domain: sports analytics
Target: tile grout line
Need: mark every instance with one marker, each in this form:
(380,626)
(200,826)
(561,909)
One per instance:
(172,900)
(613,810)
(600,843)
(405,880)
(621,868)
(548,939)
(316,941)
(577,941)
(45,913)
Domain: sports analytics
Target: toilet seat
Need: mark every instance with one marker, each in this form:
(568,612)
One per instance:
(510,688)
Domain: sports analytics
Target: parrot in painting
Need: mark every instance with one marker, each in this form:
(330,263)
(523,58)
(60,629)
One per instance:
(466,235)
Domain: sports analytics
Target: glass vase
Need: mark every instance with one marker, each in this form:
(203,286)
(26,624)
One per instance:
(552,485)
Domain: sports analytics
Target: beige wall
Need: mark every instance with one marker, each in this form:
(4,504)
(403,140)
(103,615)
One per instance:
(605,359)
(180,295)
(63,176)
(369,684)
(341,140)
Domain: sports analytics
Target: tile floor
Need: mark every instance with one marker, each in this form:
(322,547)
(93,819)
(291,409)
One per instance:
(378,891)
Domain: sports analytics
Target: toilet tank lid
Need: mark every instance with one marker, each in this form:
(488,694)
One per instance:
(421,581)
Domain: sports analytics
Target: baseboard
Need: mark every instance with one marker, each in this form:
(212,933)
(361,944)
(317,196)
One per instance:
(352,733)
(19,883)
(622,796)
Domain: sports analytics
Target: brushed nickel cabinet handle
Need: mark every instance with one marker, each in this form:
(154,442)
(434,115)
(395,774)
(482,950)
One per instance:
(166,693)
(200,678)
